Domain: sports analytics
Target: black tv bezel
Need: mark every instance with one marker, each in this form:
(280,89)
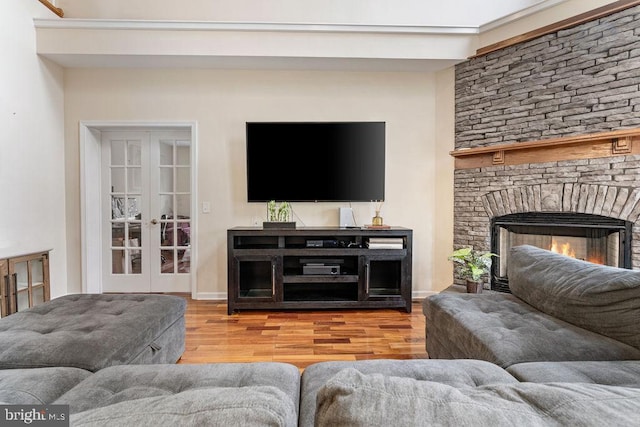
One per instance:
(313,200)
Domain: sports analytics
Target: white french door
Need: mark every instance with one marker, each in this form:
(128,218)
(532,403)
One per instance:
(146,211)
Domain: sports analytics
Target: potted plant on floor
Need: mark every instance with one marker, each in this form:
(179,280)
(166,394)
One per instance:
(472,265)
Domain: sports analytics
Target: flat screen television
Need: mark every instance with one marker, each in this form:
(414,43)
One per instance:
(315,161)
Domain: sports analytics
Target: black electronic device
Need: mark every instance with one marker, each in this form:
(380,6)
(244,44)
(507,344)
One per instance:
(321,269)
(315,161)
(324,243)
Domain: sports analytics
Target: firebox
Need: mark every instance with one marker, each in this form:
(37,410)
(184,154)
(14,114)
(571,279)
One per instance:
(593,238)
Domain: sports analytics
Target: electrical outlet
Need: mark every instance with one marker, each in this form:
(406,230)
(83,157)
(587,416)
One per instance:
(206,207)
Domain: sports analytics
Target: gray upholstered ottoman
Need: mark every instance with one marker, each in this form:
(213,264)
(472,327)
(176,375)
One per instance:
(246,394)
(94,331)
(456,373)
(38,386)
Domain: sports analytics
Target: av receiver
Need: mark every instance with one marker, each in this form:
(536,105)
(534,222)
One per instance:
(322,243)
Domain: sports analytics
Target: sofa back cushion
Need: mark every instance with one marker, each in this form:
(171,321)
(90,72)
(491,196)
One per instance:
(604,300)
(351,398)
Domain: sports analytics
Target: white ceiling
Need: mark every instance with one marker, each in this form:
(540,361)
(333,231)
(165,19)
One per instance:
(475,13)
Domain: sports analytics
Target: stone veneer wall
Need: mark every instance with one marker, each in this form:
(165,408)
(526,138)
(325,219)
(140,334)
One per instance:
(581,80)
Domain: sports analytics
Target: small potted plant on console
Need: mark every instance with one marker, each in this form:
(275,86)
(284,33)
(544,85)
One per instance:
(472,265)
(279,215)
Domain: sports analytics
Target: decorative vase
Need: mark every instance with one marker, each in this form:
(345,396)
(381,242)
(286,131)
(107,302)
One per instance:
(376,220)
(474,287)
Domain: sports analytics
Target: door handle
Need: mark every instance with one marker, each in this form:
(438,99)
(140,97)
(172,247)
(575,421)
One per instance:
(273,280)
(154,221)
(366,278)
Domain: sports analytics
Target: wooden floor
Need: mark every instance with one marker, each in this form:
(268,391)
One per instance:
(301,337)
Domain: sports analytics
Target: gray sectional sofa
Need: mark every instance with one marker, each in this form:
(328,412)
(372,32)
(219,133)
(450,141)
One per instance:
(560,309)
(556,352)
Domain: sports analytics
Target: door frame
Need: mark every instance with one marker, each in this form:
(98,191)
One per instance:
(90,190)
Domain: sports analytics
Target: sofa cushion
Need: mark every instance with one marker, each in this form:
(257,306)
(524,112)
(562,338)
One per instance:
(502,329)
(457,373)
(602,299)
(217,406)
(118,384)
(37,386)
(351,398)
(90,331)
(625,373)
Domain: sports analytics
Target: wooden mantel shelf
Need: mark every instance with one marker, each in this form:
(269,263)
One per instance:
(604,144)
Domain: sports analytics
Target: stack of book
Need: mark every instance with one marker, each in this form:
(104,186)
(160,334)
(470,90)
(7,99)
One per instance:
(385,243)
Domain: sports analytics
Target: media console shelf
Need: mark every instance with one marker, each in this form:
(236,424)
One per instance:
(318,268)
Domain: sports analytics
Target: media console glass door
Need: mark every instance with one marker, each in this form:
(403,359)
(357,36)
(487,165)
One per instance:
(257,277)
(382,277)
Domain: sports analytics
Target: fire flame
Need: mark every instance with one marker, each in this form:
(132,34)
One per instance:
(565,249)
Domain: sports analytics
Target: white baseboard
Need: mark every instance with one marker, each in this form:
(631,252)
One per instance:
(211,296)
(422,294)
(223,295)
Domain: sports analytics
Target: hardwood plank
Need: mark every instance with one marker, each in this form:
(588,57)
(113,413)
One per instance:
(301,337)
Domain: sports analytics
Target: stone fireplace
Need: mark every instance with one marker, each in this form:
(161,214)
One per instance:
(547,144)
(495,208)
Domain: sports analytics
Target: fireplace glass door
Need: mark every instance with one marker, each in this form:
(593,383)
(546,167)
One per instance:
(591,238)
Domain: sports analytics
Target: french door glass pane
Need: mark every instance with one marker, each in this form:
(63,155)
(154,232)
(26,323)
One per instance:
(183,154)
(183,180)
(166,206)
(134,153)
(167,258)
(166,180)
(117,153)
(134,179)
(117,261)
(183,205)
(133,208)
(117,180)
(166,153)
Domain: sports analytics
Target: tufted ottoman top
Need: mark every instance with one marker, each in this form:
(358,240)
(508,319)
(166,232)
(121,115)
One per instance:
(88,331)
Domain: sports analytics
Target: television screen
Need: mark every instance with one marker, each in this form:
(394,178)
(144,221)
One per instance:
(315,161)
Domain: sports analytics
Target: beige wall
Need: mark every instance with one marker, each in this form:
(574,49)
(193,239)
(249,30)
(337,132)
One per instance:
(32,206)
(418,182)
(442,242)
